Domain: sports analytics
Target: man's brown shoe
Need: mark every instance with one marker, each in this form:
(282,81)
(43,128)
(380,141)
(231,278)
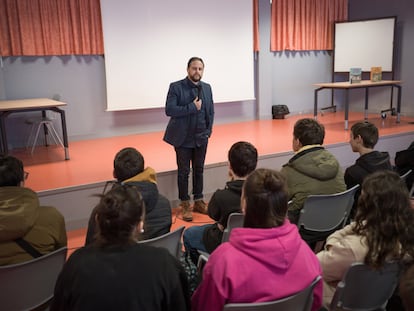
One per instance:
(200,207)
(186,211)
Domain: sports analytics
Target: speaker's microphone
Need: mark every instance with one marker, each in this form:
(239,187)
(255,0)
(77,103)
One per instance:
(199,89)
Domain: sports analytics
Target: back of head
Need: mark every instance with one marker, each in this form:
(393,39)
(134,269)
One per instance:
(309,132)
(118,214)
(368,133)
(242,158)
(11,171)
(264,199)
(385,217)
(127,163)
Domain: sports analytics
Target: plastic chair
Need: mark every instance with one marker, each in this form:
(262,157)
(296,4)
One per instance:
(406,174)
(364,288)
(323,213)
(171,241)
(301,301)
(29,285)
(235,220)
(36,126)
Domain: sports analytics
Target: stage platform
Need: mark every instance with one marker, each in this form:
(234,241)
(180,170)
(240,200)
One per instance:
(70,184)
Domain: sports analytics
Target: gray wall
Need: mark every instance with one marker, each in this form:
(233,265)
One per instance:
(281,78)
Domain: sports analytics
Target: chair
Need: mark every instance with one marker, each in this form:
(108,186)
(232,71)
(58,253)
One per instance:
(235,220)
(323,213)
(171,241)
(301,301)
(406,174)
(29,285)
(49,128)
(364,288)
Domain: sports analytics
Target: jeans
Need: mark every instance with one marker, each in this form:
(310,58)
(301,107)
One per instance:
(193,241)
(196,156)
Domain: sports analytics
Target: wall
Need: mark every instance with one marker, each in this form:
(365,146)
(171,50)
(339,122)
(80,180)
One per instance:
(404,66)
(281,78)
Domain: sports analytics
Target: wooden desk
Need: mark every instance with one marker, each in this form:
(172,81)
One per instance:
(365,84)
(8,107)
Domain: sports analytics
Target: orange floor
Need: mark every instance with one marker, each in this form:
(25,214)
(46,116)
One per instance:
(76,238)
(91,160)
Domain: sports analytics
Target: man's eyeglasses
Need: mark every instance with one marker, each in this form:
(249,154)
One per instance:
(25,175)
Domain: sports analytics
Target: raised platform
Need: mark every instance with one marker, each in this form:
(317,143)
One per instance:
(70,185)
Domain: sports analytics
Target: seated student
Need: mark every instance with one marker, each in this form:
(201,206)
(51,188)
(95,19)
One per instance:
(266,259)
(129,169)
(364,137)
(117,273)
(383,230)
(404,161)
(27,230)
(313,169)
(242,158)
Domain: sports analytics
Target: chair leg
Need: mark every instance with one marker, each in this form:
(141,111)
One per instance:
(36,136)
(31,136)
(54,134)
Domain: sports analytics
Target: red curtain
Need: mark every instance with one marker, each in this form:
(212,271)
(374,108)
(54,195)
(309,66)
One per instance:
(256,42)
(50,27)
(303,25)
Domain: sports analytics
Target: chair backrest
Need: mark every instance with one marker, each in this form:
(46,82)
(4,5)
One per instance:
(235,220)
(406,174)
(363,288)
(301,301)
(170,241)
(30,284)
(325,212)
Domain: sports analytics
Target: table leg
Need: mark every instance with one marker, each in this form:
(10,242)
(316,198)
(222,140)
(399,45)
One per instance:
(64,131)
(398,102)
(346,108)
(315,107)
(366,104)
(3,143)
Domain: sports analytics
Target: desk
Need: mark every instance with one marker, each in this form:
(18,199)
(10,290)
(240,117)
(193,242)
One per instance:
(8,107)
(365,84)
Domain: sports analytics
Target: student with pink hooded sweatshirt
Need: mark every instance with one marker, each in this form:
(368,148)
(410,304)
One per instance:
(266,259)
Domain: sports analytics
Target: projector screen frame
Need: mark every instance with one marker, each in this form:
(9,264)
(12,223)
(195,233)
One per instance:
(371,21)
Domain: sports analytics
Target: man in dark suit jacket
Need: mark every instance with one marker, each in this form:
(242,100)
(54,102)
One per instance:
(191,110)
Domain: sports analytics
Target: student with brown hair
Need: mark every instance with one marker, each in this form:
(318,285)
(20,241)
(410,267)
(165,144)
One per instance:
(266,259)
(383,230)
(117,273)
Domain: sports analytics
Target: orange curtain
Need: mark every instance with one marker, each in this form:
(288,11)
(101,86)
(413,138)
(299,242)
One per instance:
(303,25)
(256,42)
(50,27)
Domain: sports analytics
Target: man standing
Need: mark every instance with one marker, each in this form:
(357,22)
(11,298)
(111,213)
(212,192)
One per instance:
(190,108)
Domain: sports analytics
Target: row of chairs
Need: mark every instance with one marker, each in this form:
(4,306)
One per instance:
(30,285)
(40,274)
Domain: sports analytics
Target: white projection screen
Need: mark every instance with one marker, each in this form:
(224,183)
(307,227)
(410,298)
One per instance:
(148,43)
(364,44)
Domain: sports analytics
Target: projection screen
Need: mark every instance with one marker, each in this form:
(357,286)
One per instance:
(148,43)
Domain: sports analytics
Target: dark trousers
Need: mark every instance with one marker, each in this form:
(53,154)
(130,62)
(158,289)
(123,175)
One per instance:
(196,157)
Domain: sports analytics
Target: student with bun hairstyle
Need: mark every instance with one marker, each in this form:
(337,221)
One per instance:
(117,273)
(266,259)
